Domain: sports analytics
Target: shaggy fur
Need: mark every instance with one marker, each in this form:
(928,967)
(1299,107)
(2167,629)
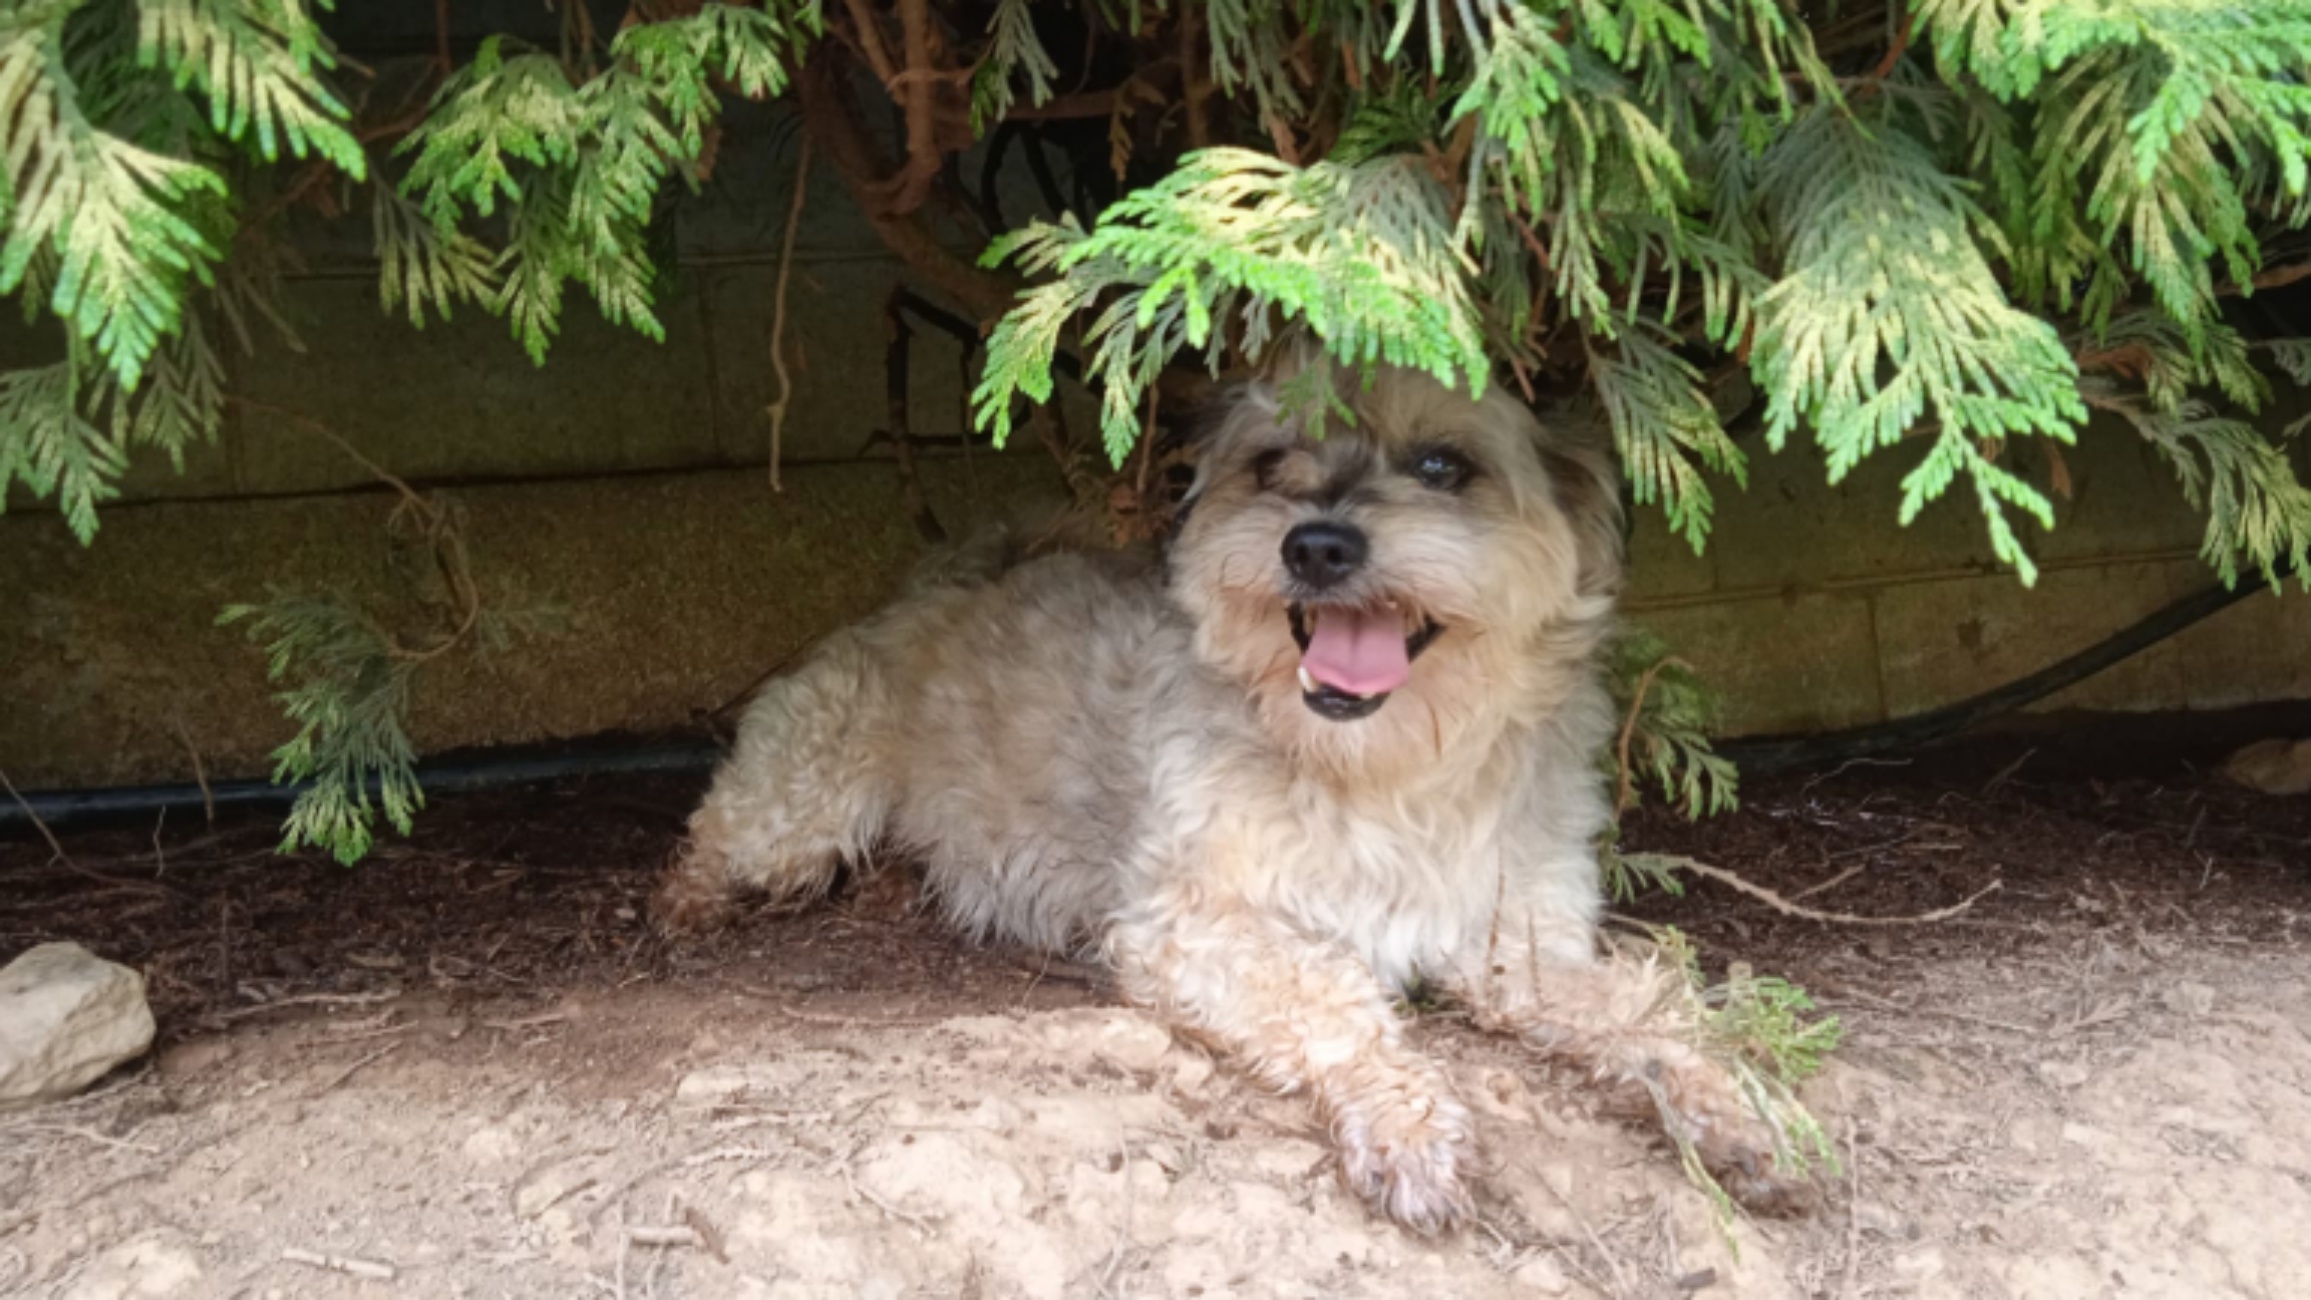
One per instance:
(1090,752)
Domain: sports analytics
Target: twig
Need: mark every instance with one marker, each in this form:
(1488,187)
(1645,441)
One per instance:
(368,1268)
(350,1070)
(666,1236)
(87,1135)
(409,495)
(1851,763)
(2273,278)
(832,117)
(527,1022)
(709,1237)
(1831,883)
(362,1036)
(720,1154)
(1192,95)
(200,771)
(37,824)
(1901,46)
(1123,1233)
(778,1004)
(870,38)
(1853,1214)
(2003,1026)
(1627,795)
(917,1221)
(778,408)
(1742,884)
(75,868)
(310,999)
(2007,772)
(1612,1262)
(438,528)
(916,89)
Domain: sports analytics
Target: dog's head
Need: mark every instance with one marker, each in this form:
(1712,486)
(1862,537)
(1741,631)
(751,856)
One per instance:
(1431,571)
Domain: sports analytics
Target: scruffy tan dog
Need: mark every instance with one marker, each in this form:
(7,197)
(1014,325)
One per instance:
(1345,742)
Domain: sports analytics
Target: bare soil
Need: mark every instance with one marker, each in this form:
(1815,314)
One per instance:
(465,1068)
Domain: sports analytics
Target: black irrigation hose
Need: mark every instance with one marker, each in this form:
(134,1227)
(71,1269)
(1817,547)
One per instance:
(1758,757)
(481,770)
(492,769)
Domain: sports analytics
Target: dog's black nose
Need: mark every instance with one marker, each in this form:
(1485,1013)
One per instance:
(1324,553)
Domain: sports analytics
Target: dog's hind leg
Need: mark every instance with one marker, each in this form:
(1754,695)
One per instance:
(808,785)
(1302,1013)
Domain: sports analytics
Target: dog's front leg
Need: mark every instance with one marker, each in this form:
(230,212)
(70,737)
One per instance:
(1302,1013)
(1628,1024)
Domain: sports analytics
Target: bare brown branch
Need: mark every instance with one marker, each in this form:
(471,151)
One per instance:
(834,126)
(868,33)
(778,407)
(917,92)
(1742,884)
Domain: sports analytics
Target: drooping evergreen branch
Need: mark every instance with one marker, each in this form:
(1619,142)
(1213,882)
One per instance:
(1940,230)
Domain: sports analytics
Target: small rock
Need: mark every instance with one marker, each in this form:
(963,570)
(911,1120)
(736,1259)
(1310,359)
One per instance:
(1542,1275)
(1288,1160)
(2086,1136)
(199,1056)
(1166,1156)
(66,1017)
(549,1187)
(2280,767)
(1190,1071)
(1127,1040)
(715,1083)
(2189,998)
(2064,1074)
(1920,1265)
(492,1144)
(141,1270)
(1880,1220)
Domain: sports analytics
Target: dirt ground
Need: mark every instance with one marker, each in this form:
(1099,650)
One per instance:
(464,1068)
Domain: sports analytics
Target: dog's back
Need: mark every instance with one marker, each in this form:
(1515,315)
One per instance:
(1019,752)
(991,723)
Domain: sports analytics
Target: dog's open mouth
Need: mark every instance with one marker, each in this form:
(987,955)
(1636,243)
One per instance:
(1352,656)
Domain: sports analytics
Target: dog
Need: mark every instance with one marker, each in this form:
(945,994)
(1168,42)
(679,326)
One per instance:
(1342,738)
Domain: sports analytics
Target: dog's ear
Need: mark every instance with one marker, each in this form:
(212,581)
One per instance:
(1588,490)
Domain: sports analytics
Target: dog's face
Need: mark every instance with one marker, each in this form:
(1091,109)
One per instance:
(1433,570)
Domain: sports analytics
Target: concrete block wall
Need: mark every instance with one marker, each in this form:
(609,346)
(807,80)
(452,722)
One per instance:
(1813,611)
(625,482)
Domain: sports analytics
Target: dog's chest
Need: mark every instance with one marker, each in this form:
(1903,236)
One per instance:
(1405,893)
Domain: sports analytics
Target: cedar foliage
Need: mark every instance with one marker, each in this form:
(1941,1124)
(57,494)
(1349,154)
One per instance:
(1937,230)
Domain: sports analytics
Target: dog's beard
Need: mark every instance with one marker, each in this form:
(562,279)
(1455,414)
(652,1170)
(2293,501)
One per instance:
(1353,657)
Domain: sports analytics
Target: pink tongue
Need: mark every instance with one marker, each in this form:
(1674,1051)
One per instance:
(1358,651)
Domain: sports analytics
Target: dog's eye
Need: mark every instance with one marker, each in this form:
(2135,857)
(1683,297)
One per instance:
(1442,468)
(1264,467)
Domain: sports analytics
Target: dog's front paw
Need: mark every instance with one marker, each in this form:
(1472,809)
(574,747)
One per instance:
(1743,1162)
(1407,1161)
(693,896)
(1701,1104)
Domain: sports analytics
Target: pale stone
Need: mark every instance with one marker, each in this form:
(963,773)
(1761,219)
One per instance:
(2281,767)
(66,1017)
